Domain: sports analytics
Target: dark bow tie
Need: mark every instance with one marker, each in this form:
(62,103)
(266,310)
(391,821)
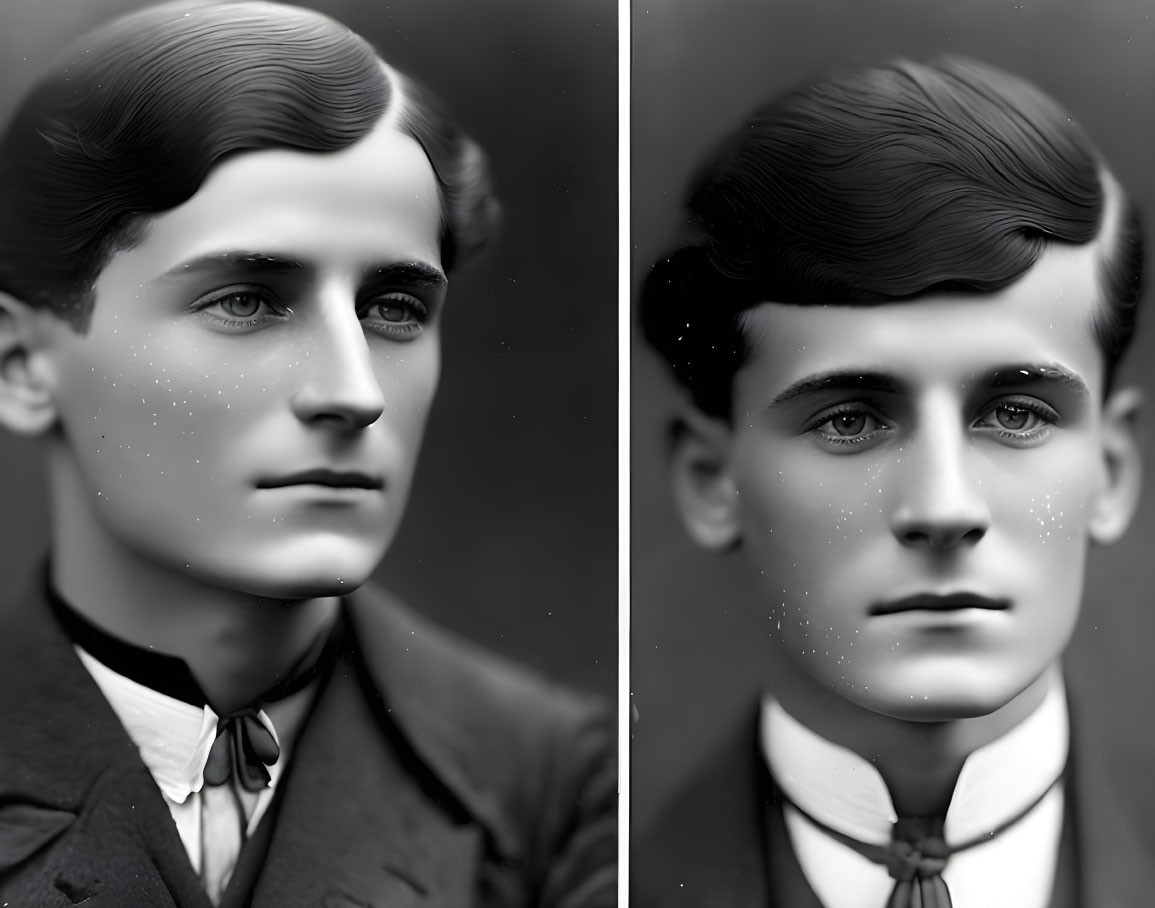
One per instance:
(244,750)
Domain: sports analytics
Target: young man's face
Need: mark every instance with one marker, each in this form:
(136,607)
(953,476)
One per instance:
(916,485)
(249,401)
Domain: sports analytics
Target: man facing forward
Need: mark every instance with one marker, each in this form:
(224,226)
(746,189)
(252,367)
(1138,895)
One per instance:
(225,234)
(897,312)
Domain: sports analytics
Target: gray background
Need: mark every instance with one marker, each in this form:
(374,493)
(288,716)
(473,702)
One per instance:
(511,531)
(699,66)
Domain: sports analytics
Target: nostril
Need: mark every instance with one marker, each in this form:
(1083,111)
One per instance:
(942,537)
(332,411)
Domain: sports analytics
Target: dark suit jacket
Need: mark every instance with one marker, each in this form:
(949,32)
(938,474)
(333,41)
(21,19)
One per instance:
(429,774)
(709,849)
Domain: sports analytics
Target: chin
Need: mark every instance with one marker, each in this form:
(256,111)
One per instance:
(301,585)
(311,569)
(948,697)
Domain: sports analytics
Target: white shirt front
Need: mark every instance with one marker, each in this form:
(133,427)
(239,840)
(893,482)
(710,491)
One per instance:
(174,739)
(845,792)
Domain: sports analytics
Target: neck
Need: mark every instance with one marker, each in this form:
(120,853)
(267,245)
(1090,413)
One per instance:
(236,644)
(919,761)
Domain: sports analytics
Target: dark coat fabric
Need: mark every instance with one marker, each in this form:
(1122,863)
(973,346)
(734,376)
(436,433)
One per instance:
(710,846)
(429,774)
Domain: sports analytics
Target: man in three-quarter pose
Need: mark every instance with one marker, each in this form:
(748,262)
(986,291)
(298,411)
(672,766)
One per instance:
(896,312)
(225,232)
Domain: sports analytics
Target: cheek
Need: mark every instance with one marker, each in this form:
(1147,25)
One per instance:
(153,423)
(148,409)
(803,512)
(1042,503)
(805,527)
(408,378)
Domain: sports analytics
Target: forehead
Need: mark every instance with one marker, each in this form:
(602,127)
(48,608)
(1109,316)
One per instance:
(1046,316)
(376,200)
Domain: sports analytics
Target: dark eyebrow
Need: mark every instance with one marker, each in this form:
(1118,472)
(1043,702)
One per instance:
(257,262)
(841,380)
(1036,374)
(412,274)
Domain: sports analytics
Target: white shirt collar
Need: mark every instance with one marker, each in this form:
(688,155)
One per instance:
(174,737)
(845,792)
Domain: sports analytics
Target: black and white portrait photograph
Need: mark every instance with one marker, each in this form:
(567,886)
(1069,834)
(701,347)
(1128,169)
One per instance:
(308,389)
(891,584)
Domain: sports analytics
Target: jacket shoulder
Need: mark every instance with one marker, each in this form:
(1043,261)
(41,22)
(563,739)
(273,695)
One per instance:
(532,759)
(460,675)
(704,847)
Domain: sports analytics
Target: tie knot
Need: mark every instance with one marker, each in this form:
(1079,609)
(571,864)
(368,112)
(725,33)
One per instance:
(917,848)
(244,749)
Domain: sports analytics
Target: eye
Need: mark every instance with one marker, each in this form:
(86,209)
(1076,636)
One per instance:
(396,315)
(1021,421)
(849,427)
(241,308)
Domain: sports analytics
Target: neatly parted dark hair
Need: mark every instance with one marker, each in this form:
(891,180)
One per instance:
(132,118)
(882,185)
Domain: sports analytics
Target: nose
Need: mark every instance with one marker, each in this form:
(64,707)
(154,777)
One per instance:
(940,505)
(339,387)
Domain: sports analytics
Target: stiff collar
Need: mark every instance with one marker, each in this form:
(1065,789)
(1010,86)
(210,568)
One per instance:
(164,710)
(175,737)
(847,793)
(170,675)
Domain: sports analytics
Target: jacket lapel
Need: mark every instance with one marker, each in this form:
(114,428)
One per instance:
(362,805)
(80,817)
(708,848)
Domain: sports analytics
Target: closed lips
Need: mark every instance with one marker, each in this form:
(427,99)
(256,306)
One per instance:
(330,478)
(935,603)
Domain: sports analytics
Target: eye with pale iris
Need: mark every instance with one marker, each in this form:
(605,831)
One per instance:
(396,315)
(241,308)
(847,427)
(241,305)
(1018,421)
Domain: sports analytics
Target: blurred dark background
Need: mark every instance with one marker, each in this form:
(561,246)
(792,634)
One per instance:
(698,68)
(511,531)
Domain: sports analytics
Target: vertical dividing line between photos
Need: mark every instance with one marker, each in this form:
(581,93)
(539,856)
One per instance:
(624,330)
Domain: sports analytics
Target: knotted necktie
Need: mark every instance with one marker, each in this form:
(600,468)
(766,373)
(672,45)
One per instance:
(915,859)
(917,853)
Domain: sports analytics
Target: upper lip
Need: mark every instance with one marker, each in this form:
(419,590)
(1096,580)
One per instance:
(938,602)
(337,479)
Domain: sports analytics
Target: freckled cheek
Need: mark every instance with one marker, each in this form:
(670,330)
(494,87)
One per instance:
(1043,504)
(802,502)
(805,527)
(174,417)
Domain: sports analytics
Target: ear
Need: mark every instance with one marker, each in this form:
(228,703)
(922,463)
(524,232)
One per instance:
(27,404)
(1114,504)
(704,488)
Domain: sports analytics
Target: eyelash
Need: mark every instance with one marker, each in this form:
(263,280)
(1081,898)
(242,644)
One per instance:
(1047,416)
(846,442)
(274,309)
(418,314)
(270,309)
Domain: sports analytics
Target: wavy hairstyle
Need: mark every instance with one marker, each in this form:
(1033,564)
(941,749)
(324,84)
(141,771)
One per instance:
(882,185)
(131,119)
